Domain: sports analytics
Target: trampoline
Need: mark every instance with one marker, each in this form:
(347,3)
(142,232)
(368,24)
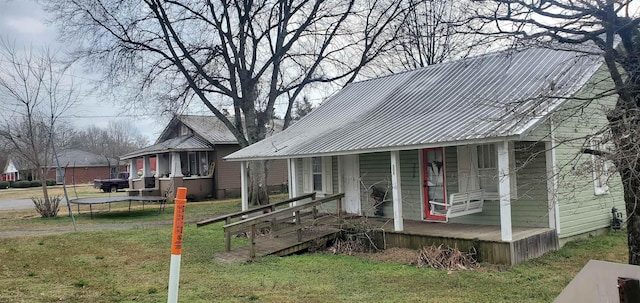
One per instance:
(102,200)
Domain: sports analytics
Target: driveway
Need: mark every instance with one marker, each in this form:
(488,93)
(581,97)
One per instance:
(12,204)
(15,204)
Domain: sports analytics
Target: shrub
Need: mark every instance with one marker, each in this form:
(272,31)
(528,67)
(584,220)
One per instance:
(47,209)
(35,184)
(4,184)
(21,184)
(51,182)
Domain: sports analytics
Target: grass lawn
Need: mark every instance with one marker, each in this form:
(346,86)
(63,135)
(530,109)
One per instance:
(100,263)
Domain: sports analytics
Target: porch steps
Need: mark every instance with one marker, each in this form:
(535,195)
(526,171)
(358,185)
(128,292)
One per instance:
(282,245)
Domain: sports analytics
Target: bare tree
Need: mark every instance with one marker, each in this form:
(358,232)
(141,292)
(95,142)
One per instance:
(612,26)
(435,31)
(119,137)
(36,93)
(302,108)
(252,55)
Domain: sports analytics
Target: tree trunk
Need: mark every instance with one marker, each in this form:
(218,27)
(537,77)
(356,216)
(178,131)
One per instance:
(257,183)
(45,191)
(631,185)
(626,135)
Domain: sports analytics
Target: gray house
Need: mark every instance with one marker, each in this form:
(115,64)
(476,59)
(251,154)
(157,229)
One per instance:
(481,152)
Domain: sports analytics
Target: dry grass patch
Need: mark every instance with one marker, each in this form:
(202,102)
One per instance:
(132,266)
(74,191)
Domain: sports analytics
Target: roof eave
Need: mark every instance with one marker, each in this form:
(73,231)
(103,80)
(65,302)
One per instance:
(375,150)
(153,153)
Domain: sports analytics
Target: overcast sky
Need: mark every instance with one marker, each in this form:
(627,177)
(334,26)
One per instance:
(24,22)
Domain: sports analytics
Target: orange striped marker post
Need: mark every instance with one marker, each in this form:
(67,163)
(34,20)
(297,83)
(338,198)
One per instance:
(176,243)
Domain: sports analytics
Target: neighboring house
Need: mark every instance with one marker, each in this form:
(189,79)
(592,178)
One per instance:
(488,146)
(76,166)
(189,153)
(79,167)
(12,170)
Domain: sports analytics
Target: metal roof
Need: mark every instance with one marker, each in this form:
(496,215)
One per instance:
(207,132)
(182,143)
(497,95)
(79,158)
(210,128)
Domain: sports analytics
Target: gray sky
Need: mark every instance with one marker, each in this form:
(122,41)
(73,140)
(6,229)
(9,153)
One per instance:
(24,22)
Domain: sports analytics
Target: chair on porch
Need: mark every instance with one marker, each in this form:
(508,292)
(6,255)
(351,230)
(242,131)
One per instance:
(459,204)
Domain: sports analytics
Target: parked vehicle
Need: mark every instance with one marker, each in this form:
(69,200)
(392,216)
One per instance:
(112,185)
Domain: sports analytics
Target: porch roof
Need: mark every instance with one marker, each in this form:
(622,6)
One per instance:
(182,143)
(480,99)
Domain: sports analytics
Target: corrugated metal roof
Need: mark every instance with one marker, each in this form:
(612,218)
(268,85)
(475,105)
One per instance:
(182,143)
(491,96)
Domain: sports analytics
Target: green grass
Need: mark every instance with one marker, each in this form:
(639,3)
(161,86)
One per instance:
(133,266)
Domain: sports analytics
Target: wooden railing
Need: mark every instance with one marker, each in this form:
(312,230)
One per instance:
(260,209)
(280,221)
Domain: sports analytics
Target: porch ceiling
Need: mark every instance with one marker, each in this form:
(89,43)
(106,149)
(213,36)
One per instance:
(182,143)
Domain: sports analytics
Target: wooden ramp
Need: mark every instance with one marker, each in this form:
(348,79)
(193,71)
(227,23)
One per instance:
(291,229)
(282,245)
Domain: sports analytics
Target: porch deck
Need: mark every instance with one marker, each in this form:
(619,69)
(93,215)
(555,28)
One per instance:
(457,231)
(527,242)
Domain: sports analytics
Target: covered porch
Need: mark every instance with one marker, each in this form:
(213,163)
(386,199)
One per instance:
(179,162)
(518,214)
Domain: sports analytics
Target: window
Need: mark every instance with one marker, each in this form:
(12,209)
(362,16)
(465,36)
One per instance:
(600,167)
(316,172)
(184,130)
(478,169)
(113,172)
(317,175)
(60,175)
(198,164)
(487,167)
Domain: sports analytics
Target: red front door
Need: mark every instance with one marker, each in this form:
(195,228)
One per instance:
(434,181)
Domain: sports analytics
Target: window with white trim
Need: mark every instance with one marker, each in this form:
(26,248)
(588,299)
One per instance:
(317,175)
(600,167)
(487,167)
(184,130)
(316,172)
(198,163)
(478,169)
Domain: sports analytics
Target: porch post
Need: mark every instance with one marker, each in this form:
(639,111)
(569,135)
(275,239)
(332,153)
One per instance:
(398,224)
(146,165)
(176,167)
(243,186)
(294,190)
(289,178)
(132,170)
(504,188)
(157,174)
(552,184)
